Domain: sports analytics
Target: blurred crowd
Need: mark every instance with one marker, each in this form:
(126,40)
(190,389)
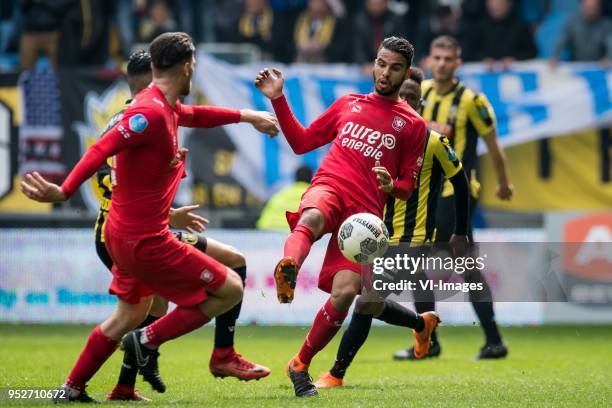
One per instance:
(498,32)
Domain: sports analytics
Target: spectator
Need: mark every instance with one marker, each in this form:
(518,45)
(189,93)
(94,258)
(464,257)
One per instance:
(260,25)
(445,20)
(502,36)
(373,24)
(42,20)
(159,20)
(273,216)
(320,35)
(85,33)
(587,36)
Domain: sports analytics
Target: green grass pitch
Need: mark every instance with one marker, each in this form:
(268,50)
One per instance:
(547,366)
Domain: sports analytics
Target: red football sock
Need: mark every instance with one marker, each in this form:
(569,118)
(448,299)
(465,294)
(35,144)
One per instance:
(181,320)
(326,325)
(98,349)
(299,243)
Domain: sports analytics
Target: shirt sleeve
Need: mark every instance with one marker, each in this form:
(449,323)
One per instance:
(132,130)
(319,133)
(411,160)
(481,115)
(206,116)
(445,154)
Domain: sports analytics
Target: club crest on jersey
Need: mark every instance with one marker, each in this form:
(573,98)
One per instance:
(206,276)
(138,123)
(356,108)
(398,123)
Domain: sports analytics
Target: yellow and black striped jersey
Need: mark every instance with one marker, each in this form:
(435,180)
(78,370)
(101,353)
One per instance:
(103,184)
(461,115)
(413,221)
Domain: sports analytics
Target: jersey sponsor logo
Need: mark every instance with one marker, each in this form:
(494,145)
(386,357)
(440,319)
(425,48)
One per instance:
(356,108)
(420,161)
(398,123)
(366,140)
(138,123)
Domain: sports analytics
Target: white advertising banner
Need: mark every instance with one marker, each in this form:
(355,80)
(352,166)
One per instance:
(54,275)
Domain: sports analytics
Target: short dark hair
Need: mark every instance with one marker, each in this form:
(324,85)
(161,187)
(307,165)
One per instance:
(447,42)
(399,45)
(170,49)
(304,174)
(139,63)
(416,74)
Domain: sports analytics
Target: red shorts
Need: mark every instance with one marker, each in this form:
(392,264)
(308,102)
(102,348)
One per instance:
(336,207)
(161,264)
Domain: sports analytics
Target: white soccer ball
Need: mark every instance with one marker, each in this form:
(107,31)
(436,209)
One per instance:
(363,237)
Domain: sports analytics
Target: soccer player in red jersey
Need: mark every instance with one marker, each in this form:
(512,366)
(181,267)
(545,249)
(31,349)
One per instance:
(146,256)
(377,149)
(224,360)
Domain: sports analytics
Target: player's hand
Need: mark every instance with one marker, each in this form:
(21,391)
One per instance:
(270,85)
(36,188)
(504,191)
(383,177)
(183,218)
(263,121)
(459,244)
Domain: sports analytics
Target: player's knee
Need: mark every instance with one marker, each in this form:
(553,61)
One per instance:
(314,219)
(343,297)
(234,289)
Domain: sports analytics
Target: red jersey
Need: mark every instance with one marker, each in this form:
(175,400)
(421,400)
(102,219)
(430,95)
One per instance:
(364,129)
(147,166)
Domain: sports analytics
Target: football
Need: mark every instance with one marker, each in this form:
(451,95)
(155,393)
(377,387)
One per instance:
(363,237)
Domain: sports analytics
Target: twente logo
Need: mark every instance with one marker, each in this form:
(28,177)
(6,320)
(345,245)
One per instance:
(587,247)
(398,123)
(98,109)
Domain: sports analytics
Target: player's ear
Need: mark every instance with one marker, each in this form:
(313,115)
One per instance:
(458,62)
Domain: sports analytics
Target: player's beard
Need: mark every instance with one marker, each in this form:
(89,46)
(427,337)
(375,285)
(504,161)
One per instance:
(390,90)
(442,76)
(186,88)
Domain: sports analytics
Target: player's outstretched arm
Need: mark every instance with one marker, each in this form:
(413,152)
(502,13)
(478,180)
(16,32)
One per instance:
(213,116)
(262,121)
(36,188)
(302,140)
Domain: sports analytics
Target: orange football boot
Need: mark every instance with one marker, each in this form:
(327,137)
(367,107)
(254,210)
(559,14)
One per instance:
(422,339)
(326,380)
(285,275)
